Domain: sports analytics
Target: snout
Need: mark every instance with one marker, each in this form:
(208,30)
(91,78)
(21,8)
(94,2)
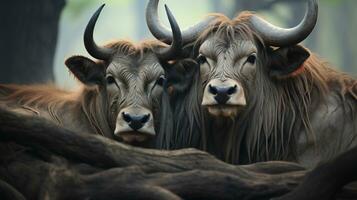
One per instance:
(135,124)
(222,93)
(224,97)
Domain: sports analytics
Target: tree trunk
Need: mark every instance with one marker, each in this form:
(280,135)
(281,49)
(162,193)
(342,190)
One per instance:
(28,40)
(39,160)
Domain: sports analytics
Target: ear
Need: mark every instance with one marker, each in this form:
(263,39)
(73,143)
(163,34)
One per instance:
(86,70)
(287,61)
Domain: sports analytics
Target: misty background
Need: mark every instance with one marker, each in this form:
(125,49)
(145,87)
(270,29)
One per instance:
(37,36)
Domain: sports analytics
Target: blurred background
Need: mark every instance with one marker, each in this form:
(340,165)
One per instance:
(37,36)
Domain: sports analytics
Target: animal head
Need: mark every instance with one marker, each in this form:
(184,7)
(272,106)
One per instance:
(236,54)
(130,79)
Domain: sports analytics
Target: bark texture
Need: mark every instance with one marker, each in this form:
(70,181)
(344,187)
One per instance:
(39,160)
(28,40)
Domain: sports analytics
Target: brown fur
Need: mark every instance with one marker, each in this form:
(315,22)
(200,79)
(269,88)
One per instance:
(278,110)
(129,48)
(88,101)
(291,103)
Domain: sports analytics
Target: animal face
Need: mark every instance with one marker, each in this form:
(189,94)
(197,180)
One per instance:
(231,65)
(131,85)
(225,64)
(129,79)
(134,89)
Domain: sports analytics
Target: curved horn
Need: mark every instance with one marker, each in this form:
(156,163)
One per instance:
(176,46)
(276,36)
(161,32)
(92,48)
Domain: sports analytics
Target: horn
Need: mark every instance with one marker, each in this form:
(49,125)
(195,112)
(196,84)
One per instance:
(176,45)
(92,48)
(161,32)
(276,36)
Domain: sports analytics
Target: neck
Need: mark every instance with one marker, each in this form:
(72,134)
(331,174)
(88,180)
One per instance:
(216,138)
(94,107)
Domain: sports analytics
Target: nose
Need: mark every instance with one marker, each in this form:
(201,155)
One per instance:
(222,94)
(136,122)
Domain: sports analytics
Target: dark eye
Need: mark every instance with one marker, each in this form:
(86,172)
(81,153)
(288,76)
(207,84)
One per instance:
(110,80)
(252,58)
(161,80)
(201,59)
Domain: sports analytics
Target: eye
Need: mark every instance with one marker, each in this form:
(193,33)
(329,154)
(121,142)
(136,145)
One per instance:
(110,80)
(252,58)
(161,80)
(201,59)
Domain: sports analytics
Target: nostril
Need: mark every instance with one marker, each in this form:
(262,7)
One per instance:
(232,90)
(145,118)
(212,89)
(136,122)
(126,117)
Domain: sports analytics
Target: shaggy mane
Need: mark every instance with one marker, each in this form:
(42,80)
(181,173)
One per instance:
(35,95)
(277,111)
(129,48)
(227,28)
(52,100)
(280,109)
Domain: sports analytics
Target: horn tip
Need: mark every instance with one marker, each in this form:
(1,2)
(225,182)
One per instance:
(97,13)
(167,9)
(101,6)
(170,16)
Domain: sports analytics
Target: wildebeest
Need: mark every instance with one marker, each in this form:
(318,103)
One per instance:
(259,95)
(121,93)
